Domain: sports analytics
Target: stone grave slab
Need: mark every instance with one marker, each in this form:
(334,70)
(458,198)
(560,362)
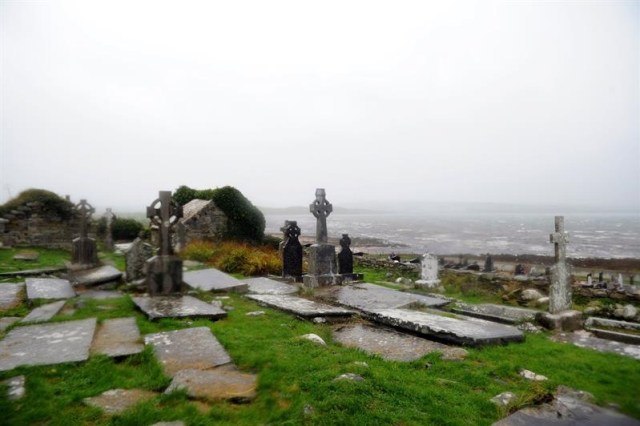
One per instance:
(368,297)
(622,331)
(116,401)
(177,307)
(100,275)
(263,285)
(45,344)
(585,339)
(213,280)
(498,313)
(44,312)
(215,384)
(100,294)
(49,288)
(28,256)
(392,345)
(299,306)
(459,330)
(190,348)
(117,337)
(30,272)
(6,322)
(10,295)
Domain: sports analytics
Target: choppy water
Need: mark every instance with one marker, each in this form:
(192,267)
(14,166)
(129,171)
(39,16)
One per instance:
(590,235)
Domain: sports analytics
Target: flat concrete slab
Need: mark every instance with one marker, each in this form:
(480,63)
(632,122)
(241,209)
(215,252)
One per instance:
(458,330)
(100,294)
(297,305)
(216,384)
(10,295)
(263,285)
(49,288)
(190,348)
(498,313)
(117,337)
(368,297)
(391,345)
(45,344)
(99,275)
(44,312)
(178,307)
(585,339)
(116,401)
(213,280)
(6,322)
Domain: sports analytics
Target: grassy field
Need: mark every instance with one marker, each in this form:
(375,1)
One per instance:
(296,378)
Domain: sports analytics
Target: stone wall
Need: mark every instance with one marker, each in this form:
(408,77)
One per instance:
(203,220)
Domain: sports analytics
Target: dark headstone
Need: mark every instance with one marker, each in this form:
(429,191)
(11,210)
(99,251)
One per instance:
(519,270)
(84,251)
(488,264)
(291,250)
(345,257)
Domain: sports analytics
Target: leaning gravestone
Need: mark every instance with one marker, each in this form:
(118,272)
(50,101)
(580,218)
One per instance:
(164,270)
(291,251)
(345,257)
(136,259)
(429,276)
(322,256)
(84,254)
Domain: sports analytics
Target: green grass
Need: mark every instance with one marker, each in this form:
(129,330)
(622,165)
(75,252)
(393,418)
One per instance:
(48,258)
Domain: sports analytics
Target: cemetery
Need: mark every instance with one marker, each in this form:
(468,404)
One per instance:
(179,326)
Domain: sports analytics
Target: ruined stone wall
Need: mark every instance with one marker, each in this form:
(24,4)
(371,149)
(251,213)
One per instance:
(203,220)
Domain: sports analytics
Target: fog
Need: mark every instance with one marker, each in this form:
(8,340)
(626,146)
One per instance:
(381,103)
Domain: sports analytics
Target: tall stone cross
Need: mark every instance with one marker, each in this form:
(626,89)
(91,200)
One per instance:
(165,216)
(321,208)
(84,210)
(560,289)
(560,240)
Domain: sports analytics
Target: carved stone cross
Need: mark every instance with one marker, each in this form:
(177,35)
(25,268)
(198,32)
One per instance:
(165,216)
(84,210)
(321,208)
(560,240)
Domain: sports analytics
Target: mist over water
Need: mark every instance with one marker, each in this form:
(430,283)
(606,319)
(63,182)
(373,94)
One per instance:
(605,235)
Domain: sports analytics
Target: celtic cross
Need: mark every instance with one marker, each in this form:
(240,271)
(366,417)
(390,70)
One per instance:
(84,210)
(164,216)
(560,240)
(321,208)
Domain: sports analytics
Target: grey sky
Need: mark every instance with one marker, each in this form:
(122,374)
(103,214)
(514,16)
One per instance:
(514,102)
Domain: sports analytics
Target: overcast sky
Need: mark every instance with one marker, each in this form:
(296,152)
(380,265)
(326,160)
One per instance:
(378,102)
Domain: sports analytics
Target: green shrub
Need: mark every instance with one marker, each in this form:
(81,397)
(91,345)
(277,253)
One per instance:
(125,229)
(53,204)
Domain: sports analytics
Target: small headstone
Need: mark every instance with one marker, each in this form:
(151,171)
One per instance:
(49,288)
(44,312)
(136,259)
(345,257)
(429,276)
(620,282)
(216,384)
(116,401)
(84,253)
(291,250)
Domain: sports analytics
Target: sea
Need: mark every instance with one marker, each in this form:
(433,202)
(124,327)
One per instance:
(601,235)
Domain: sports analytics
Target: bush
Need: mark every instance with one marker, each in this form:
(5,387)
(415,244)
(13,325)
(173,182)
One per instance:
(233,257)
(53,204)
(125,229)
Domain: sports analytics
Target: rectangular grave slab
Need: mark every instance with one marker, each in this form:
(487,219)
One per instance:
(190,348)
(45,344)
(213,280)
(369,297)
(28,272)
(117,337)
(216,384)
(458,331)
(44,312)
(6,322)
(263,285)
(585,339)
(94,276)
(299,306)
(622,331)
(392,345)
(497,313)
(100,294)
(10,295)
(49,288)
(177,307)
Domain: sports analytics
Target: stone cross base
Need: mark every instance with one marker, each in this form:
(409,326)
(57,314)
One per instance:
(322,259)
(84,253)
(427,283)
(563,321)
(313,281)
(164,276)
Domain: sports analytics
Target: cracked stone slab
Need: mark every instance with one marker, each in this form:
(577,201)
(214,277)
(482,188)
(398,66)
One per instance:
(215,384)
(499,313)
(585,339)
(116,401)
(117,337)
(213,280)
(263,285)
(99,275)
(10,295)
(299,306)
(49,288)
(190,348)
(368,297)
(44,312)
(392,345)
(44,344)
(6,322)
(178,307)
(458,330)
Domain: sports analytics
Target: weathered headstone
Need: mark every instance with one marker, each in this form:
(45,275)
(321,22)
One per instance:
(164,276)
(291,251)
(181,237)
(108,237)
(429,275)
(136,259)
(345,257)
(322,256)
(488,264)
(519,269)
(84,253)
